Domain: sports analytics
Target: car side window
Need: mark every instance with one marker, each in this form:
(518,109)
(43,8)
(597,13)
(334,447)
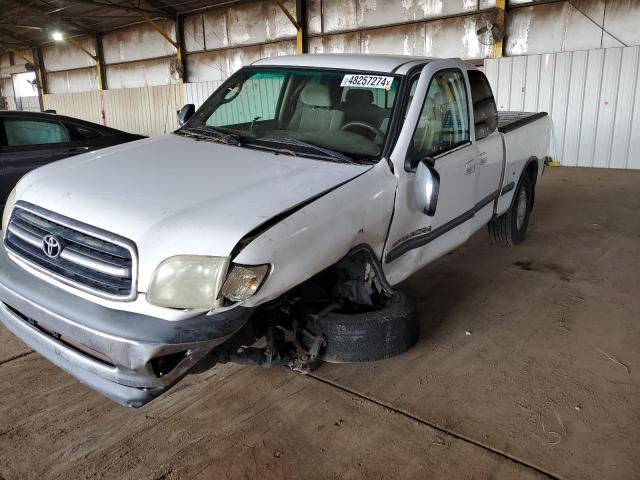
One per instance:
(485,113)
(444,120)
(86,133)
(22,132)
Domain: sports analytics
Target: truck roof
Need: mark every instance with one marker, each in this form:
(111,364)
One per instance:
(399,64)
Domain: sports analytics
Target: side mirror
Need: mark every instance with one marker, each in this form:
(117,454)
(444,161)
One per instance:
(186,113)
(427,187)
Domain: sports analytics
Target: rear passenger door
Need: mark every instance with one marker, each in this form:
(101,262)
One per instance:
(489,144)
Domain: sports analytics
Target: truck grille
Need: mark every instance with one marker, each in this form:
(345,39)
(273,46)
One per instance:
(76,254)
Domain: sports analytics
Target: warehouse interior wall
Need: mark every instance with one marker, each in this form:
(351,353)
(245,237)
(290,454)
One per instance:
(591,96)
(144,86)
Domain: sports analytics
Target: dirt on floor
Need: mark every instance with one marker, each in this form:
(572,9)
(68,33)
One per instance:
(528,366)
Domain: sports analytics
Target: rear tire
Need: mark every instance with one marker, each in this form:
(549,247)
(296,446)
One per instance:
(365,337)
(510,228)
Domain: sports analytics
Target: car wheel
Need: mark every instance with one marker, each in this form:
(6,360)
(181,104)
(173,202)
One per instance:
(510,228)
(365,337)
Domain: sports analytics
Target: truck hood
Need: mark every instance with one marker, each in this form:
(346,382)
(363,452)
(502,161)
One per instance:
(173,195)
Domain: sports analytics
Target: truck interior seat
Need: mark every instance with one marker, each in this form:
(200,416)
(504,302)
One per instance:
(358,106)
(316,112)
(384,125)
(430,126)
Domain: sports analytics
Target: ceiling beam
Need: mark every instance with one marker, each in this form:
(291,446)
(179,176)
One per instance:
(71,17)
(126,8)
(21,26)
(15,35)
(24,7)
(172,12)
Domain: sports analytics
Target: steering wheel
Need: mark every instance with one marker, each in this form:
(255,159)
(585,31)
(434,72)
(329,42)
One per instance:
(379,134)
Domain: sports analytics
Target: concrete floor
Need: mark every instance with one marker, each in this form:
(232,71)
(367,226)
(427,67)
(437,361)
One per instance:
(528,366)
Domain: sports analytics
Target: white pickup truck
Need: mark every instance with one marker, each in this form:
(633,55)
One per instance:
(271,227)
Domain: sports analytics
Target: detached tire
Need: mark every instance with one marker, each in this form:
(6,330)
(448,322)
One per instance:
(510,228)
(365,337)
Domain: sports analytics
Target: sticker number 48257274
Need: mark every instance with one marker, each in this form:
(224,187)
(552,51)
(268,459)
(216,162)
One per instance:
(367,81)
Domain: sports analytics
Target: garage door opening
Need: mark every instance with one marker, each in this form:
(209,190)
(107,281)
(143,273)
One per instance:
(26,91)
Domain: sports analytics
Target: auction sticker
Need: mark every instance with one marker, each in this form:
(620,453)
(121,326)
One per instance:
(367,81)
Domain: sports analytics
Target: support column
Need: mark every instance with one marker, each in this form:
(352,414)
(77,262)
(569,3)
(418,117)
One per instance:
(179,50)
(102,78)
(299,21)
(36,52)
(500,21)
(302,35)
(99,70)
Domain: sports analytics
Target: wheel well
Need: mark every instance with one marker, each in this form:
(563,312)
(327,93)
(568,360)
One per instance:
(532,170)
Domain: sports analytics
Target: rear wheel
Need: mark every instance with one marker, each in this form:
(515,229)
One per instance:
(510,228)
(364,337)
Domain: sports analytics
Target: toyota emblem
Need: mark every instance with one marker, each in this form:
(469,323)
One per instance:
(51,246)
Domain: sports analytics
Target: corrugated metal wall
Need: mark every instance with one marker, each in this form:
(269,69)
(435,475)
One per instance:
(82,105)
(30,104)
(197,93)
(146,110)
(591,95)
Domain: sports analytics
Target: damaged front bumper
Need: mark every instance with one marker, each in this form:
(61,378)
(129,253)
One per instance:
(130,358)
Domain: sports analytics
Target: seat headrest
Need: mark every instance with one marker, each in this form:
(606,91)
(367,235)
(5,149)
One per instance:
(316,95)
(439,99)
(359,96)
(429,104)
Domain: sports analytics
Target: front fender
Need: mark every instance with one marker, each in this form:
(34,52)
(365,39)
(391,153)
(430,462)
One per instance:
(320,234)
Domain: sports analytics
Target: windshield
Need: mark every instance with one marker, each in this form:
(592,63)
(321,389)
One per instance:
(338,115)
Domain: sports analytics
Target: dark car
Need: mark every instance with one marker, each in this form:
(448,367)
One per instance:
(31,139)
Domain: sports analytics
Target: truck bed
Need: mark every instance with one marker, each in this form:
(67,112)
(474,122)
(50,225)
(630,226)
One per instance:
(508,121)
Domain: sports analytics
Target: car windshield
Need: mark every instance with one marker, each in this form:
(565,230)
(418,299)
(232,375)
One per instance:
(329,114)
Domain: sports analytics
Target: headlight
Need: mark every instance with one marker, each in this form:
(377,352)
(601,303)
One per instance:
(8,208)
(188,281)
(243,281)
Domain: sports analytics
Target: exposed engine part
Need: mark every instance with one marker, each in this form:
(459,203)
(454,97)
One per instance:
(305,359)
(278,332)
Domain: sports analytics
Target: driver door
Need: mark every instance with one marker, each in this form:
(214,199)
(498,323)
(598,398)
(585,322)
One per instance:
(437,128)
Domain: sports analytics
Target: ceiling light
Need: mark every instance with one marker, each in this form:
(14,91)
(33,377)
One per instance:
(57,36)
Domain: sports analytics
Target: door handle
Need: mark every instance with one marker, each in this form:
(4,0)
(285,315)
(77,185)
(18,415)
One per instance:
(483,158)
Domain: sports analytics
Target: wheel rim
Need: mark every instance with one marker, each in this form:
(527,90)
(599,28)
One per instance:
(521,211)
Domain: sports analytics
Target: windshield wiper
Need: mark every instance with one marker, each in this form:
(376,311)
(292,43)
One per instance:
(325,151)
(214,134)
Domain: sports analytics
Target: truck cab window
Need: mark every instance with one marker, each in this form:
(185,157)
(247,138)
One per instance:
(444,121)
(485,113)
(308,111)
(254,98)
